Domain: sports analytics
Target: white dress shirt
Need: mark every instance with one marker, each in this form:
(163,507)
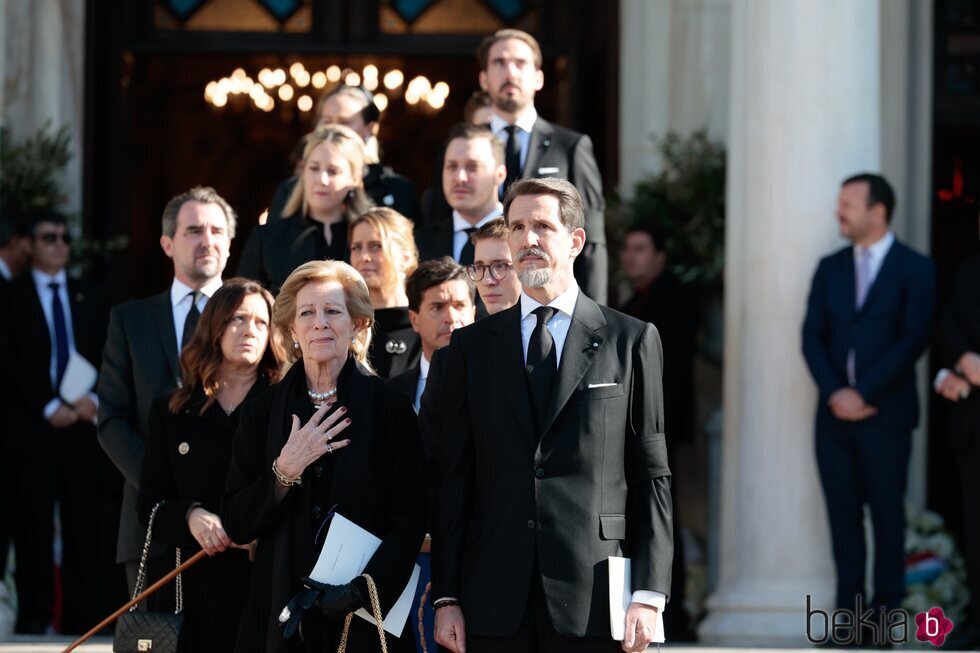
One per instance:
(525,123)
(558,326)
(5,271)
(46,295)
(180,301)
(461,224)
(420,388)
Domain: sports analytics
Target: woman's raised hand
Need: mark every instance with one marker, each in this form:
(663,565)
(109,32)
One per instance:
(315,438)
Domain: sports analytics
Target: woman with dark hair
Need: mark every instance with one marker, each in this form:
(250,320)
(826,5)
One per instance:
(329,194)
(382,249)
(329,438)
(230,359)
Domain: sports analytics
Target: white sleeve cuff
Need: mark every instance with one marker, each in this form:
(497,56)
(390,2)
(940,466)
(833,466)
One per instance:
(51,407)
(653,599)
(940,377)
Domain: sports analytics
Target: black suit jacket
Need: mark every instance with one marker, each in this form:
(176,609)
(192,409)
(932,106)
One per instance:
(435,239)
(407,382)
(140,364)
(27,355)
(887,335)
(595,484)
(958,333)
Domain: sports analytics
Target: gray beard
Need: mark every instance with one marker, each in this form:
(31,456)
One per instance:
(535,278)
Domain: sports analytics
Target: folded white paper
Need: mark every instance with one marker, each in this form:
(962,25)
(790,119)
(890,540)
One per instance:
(345,554)
(620,597)
(79,379)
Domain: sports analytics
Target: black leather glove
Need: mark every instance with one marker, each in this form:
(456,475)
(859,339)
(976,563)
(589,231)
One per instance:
(336,601)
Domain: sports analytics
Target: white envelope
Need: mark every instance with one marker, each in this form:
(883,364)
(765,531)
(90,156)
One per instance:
(620,597)
(79,379)
(345,554)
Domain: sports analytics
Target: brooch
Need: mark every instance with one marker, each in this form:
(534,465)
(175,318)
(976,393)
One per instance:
(396,347)
(183,448)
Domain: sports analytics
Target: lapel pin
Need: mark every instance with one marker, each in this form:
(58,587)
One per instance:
(183,448)
(396,347)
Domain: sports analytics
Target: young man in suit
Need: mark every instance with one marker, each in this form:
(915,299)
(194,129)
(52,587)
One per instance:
(868,320)
(510,71)
(141,359)
(53,439)
(472,174)
(552,456)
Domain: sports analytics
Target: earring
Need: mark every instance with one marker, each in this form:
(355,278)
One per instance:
(351,194)
(295,344)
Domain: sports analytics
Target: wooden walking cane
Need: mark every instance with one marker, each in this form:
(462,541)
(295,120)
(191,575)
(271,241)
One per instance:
(149,590)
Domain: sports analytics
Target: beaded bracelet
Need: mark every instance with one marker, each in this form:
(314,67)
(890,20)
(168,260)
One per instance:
(285,480)
(445,603)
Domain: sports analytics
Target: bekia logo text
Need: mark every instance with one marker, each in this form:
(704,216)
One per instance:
(868,627)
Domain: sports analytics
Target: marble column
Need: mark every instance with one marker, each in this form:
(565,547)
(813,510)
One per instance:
(804,114)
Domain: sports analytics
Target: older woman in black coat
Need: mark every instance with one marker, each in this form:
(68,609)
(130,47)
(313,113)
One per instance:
(229,360)
(329,438)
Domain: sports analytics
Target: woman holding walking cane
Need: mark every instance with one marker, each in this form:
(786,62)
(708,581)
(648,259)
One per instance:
(230,359)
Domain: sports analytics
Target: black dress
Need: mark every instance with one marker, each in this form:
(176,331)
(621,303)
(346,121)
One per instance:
(378,482)
(395,347)
(275,249)
(185,463)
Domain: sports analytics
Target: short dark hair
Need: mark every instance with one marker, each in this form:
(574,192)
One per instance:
(879,191)
(202,194)
(468,132)
(474,103)
(571,212)
(648,227)
(483,52)
(495,229)
(13,225)
(435,272)
(38,218)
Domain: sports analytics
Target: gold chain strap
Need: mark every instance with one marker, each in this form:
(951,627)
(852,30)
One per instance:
(376,609)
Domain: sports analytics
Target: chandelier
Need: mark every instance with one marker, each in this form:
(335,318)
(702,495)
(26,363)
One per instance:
(301,87)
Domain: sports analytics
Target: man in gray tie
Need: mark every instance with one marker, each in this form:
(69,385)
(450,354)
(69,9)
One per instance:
(510,72)
(868,320)
(141,360)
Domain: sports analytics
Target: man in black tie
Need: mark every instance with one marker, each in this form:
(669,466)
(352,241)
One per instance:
(510,71)
(472,173)
(52,435)
(145,337)
(552,457)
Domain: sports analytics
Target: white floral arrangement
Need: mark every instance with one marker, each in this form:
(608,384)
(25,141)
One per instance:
(935,574)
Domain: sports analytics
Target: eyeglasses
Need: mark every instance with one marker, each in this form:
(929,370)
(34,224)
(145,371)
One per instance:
(498,270)
(52,238)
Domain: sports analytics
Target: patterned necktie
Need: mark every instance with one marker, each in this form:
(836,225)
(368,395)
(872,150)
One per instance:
(863,276)
(542,363)
(466,254)
(513,157)
(191,322)
(60,333)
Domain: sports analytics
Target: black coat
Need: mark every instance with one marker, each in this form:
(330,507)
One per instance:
(592,482)
(278,247)
(139,365)
(958,333)
(186,462)
(378,482)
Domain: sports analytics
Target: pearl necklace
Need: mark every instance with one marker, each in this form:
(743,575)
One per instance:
(319,397)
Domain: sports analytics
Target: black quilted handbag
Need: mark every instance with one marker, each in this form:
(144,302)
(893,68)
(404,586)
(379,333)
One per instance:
(156,632)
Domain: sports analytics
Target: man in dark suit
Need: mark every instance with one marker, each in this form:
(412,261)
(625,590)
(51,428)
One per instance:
(145,337)
(472,174)
(52,437)
(868,320)
(510,71)
(552,456)
(958,352)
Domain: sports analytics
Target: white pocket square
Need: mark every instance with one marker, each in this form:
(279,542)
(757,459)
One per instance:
(547,171)
(601,385)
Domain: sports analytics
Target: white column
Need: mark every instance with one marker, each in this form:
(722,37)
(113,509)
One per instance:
(804,115)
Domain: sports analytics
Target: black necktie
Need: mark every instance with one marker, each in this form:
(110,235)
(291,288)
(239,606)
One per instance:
(191,322)
(513,158)
(542,363)
(466,254)
(60,334)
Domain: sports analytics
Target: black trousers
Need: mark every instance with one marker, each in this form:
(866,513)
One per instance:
(860,464)
(968,461)
(71,471)
(537,633)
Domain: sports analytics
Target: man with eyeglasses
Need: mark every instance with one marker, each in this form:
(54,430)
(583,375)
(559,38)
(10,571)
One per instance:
(492,268)
(471,177)
(55,321)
